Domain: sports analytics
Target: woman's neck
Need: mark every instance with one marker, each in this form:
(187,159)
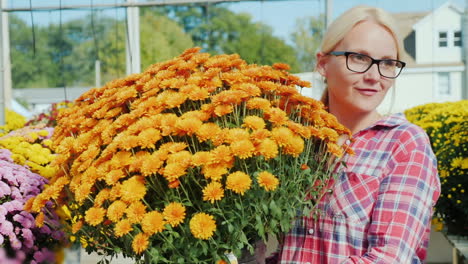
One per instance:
(356,121)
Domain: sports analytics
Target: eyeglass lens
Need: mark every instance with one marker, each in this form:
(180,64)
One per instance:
(361,63)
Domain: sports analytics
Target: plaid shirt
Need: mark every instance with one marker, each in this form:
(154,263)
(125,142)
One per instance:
(381,204)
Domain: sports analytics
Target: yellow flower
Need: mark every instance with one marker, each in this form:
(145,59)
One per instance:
(267,181)
(254,122)
(95,215)
(153,222)
(174,213)
(201,158)
(40,219)
(133,189)
(140,243)
(243,148)
(214,171)
(267,148)
(116,210)
(173,171)
(238,182)
(123,227)
(207,131)
(202,226)
(77,226)
(213,192)
(277,116)
(282,135)
(135,212)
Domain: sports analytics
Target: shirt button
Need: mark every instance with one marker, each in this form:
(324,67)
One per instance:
(311,231)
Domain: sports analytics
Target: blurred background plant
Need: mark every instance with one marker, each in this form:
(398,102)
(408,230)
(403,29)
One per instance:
(447,127)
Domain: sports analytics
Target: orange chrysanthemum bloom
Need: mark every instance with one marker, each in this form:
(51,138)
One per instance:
(213,192)
(254,122)
(295,146)
(133,189)
(153,222)
(135,212)
(114,176)
(123,227)
(238,182)
(184,158)
(173,171)
(221,154)
(259,135)
(197,114)
(201,158)
(174,213)
(258,103)
(276,116)
(173,147)
(148,137)
(267,180)
(202,226)
(116,210)
(77,226)
(249,88)
(299,129)
(329,134)
(223,109)
(282,135)
(95,215)
(207,131)
(199,94)
(40,219)
(243,148)
(335,149)
(101,197)
(236,134)
(150,163)
(267,148)
(214,171)
(188,125)
(120,159)
(140,243)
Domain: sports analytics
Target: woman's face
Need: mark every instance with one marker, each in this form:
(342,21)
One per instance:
(358,92)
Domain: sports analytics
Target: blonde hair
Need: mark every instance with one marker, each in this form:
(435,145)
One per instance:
(348,20)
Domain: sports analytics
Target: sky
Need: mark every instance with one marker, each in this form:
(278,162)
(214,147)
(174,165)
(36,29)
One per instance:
(281,15)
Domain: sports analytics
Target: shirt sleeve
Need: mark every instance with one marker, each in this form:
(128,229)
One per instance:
(403,209)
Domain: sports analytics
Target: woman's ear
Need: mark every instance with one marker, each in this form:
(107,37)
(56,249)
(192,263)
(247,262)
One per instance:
(321,63)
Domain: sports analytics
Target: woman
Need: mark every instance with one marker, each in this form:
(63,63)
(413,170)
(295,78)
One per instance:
(380,207)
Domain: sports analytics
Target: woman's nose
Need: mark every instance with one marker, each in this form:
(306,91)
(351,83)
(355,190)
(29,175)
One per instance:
(372,73)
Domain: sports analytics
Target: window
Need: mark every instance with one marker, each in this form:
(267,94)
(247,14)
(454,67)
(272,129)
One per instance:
(443,88)
(457,40)
(443,39)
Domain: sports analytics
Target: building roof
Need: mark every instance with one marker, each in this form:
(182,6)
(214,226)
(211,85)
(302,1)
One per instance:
(405,23)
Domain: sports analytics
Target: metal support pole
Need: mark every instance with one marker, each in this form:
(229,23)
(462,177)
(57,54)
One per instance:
(97,70)
(464,30)
(328,12)
(133,39)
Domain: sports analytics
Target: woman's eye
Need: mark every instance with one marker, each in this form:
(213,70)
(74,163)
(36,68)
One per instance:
(389,63)
(359,57)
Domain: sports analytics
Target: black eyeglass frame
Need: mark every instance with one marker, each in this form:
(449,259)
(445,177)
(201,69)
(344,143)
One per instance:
(374,61)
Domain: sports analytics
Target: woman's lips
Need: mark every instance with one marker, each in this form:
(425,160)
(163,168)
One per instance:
(367,92)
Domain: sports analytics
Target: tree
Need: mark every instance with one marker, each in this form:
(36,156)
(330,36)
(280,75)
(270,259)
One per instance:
(66,54)
(307,38)
(218,30)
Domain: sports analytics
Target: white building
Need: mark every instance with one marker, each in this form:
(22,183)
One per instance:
(435,69)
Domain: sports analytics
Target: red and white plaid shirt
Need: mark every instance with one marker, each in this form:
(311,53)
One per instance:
(381,205)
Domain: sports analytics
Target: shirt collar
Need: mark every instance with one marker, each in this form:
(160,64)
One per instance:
(390,121)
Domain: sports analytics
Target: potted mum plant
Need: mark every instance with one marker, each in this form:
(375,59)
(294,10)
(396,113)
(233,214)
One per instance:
(194,158)
(447,127)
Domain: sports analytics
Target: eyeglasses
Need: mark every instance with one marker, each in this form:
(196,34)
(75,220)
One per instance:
(357,62)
